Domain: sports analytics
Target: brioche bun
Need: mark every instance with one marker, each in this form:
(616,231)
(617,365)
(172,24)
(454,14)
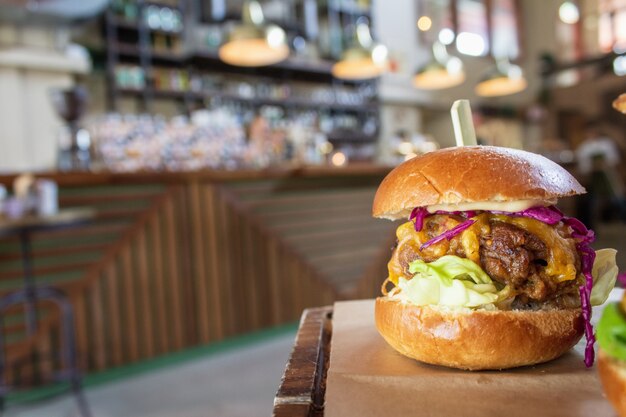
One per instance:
(619,103)
(477,339)
(471,174)
(613,376)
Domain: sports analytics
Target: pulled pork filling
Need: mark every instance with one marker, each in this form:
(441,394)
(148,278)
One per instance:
(539,262)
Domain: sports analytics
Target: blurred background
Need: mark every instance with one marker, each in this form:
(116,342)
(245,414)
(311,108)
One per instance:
(188,175)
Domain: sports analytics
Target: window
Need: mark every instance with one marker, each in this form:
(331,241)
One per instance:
(438,13)
(472,28)
(505,33)
(475,27)
(612,25)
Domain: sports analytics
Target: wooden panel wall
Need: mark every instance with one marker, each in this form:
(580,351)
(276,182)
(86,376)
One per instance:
(206,261)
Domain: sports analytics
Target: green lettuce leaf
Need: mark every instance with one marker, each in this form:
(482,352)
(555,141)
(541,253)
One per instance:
(604,274)
(448,281)
(611,331)
(451,267)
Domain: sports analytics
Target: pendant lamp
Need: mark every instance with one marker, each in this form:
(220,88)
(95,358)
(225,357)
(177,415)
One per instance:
(253,43)
(365,59)
(502,80)
(442,71)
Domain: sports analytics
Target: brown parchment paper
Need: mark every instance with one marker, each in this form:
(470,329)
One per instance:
(366,377)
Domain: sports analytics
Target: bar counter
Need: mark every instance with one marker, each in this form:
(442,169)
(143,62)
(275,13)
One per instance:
(175,260)
(108,177)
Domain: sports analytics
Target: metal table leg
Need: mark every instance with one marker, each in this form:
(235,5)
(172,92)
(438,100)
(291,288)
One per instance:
(29,282)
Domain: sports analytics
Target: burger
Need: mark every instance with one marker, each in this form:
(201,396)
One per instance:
(612,354)
(612,336)
(487,273)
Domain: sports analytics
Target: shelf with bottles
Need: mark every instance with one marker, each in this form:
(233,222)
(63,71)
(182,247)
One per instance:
(160,62)
(130,53)
(351,136)
(124,23)
(159,21)
(129,79)
(162,54)
(172,93)
(162,44)
(143,33)
(179,83)
(161,17)
(134,26)
(218,138)
(313,70)
(208,58)
(124,13)
(125,49)
(322,27)
(174,4)
(260,92)
(349,128)
(149,39)
(355,8)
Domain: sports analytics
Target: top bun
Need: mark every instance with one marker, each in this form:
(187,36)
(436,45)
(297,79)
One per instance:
(471,174)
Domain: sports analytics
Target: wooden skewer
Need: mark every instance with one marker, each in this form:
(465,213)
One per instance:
(463,125)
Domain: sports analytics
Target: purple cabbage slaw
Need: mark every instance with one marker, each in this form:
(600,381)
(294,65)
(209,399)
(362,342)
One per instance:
(449,234)
(420,213)
(549,215)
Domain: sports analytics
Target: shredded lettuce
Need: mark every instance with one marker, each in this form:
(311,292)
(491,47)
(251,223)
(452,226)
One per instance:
(612,331)
(449,267)
(604,274)
(448,281)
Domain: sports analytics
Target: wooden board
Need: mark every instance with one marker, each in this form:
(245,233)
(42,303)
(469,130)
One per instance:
(301,390)
(367,377)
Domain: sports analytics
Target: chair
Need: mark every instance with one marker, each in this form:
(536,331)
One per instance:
(69,365)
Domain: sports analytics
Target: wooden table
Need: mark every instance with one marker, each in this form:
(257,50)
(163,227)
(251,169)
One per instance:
(31,222)
(302,388)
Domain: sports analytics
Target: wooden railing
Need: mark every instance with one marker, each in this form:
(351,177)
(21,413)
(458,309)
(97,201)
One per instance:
(64,258)
(195,261)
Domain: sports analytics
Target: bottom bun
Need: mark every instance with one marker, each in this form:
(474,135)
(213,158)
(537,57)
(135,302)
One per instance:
(613,376)
(477,339)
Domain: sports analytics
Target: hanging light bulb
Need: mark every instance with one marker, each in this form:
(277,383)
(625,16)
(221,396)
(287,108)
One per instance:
(619,65)
(569,13)
(364,60)
(442,71)
(254,43)
(503,80)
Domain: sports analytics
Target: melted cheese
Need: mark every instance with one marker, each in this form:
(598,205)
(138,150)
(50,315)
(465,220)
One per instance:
(510,206)
(406,235)
(470,238)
